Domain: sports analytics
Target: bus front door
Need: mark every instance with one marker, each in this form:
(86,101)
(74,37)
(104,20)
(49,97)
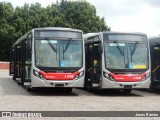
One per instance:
(156,69)
(27,62)
(96,66)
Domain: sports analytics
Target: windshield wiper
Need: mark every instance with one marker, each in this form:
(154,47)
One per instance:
(50,44)
(65,49)
(119,48)
(133,50)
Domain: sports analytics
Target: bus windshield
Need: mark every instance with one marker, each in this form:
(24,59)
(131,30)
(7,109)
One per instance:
(58,53)
(125,55)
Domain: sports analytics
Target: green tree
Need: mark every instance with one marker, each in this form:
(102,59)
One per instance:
(7,31)
(82,15)
(15,22)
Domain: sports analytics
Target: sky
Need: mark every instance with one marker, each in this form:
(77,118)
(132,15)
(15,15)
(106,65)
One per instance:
(121,15)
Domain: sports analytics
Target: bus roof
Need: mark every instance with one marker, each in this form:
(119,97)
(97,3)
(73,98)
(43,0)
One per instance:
(88,35)
(57,28)
(111,32)
(154,38)
(46,28)
(114,32)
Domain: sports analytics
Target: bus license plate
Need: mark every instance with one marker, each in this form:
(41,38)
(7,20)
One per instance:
(59,85)
(127,86)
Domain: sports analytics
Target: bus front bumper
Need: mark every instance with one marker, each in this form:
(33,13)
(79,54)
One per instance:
(124,85)
(36,82)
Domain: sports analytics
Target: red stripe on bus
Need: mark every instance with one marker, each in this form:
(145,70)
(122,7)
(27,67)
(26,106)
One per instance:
(128,77)
(59,76)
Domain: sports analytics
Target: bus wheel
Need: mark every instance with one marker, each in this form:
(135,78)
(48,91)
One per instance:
(13,78)
(68,90)
(29,89)
(19,83)
(86,85)
(127,91)
(152,89)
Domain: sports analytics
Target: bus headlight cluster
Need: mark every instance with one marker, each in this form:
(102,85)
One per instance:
(79,75)
(146,76)
(108,76)
(37,74)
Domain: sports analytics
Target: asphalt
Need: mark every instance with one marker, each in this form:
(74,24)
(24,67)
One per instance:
(14,97)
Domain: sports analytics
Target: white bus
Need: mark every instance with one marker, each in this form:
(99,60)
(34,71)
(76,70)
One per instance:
(49,57)
(117,60)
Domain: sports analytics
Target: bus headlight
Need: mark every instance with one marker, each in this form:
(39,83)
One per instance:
(146,76)
(37,74)
(108,76)
(78,76)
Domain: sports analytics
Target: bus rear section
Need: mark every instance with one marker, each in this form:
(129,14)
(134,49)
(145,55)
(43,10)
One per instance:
(117,61)
(52,57)
(154,43)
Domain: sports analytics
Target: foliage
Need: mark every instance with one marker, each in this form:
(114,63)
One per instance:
(15,22)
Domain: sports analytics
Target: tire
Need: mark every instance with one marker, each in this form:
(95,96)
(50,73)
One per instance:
(19,83)
(86,85)
(68,90)
(152,89)
(29,89)
(127,91)
(13,78)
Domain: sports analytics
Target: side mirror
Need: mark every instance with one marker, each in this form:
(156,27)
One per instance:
(100,48)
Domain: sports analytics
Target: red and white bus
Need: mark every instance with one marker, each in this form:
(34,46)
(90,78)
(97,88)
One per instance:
(49,57)
(117,60)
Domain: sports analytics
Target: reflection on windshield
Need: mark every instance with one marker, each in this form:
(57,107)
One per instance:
(138,56)
(54,53)
(134,55)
